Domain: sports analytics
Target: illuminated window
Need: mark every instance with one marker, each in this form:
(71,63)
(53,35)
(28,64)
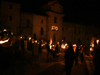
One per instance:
(28,23)
(10,18)
(42,31)
(11,7)
(55,28)
(41,21)
(55,19)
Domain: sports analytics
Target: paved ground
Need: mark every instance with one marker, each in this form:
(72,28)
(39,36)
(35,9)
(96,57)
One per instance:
(41,67)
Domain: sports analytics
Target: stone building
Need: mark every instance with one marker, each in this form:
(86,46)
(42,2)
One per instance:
(10,16)
(47,25)
(76,33)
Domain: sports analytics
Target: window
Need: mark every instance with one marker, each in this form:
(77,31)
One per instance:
(55,19)
(28,23)
(10,18)
(42,31)
(42,21)
(11,7)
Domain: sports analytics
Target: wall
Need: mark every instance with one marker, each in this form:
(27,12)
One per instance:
(14,12)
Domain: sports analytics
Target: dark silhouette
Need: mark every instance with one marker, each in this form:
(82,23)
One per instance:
(77,54)
(81,54)
(39,48)
(69,59)
(48,50)
(96,60)
(22,46)
(57,51)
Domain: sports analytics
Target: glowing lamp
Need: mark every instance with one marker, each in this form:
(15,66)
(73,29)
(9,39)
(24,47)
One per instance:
(97,41)
(53,45)
(5,30)
(65,44)
(90,49)
(74,45)
(21,37)
(54,28)
(29,38)
(92,45)
(35,41)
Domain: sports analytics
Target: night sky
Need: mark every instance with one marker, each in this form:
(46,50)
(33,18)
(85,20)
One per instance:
(76,11)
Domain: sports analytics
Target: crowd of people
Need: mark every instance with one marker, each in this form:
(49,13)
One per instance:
(17,45)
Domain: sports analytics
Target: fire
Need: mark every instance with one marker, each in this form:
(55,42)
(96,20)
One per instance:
(2,42)
(50,43)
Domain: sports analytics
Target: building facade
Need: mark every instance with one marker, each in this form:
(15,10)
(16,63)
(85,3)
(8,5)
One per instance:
(47,27)
(10,16)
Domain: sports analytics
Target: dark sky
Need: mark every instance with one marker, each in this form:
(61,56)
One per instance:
(76,11)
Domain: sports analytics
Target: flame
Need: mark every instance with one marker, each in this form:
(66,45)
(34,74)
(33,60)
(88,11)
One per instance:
(50,43)
(2,42)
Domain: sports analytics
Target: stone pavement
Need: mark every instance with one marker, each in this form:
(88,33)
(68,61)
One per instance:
(89,64)
(41,67)
(54,67)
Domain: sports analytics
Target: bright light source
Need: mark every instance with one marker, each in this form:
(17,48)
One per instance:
(2,42)
(35,41)
(90,49)
(50,43)
(65,44)
(53,45)
(97,41)
(92,45)
(5,30)
(74,45)
(21,37)
(54,28)
(29,38)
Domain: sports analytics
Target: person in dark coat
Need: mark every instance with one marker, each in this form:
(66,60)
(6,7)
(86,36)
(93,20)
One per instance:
(77,54)
(81,55)
(57,51)
(39,48)
(69,59)
(48,51)
(22,46)
(96,60)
